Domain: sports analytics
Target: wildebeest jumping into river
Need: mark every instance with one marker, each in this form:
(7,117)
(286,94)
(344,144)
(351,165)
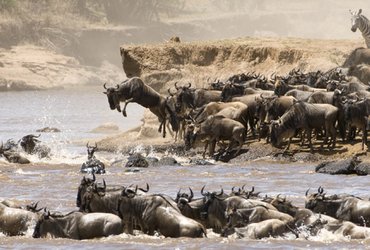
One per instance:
(135,90)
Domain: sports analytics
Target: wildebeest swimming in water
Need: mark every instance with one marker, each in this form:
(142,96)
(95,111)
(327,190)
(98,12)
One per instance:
(9,152)
(92,165)
(135,90)
(31,145)
(77,225)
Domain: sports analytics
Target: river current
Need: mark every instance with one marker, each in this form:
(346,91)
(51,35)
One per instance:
(54,182)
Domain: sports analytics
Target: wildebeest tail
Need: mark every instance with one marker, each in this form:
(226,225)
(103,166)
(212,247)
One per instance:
(173,118)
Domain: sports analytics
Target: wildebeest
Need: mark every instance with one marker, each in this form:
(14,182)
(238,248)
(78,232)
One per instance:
(281,88)
(214,108)
(348,229)
(31,145)
(300,95)
(12,156)
(82,188)
(271,108)
(263,229)
(356,115)
(343,207)
(104,199)
(157,213)
(246,216)
(135,90)
(361,71)
(16,221)
(78,226)
(305,116)
(252,102)
(92,165)
(216,128)
(194,98)
(302,216)
(358,56)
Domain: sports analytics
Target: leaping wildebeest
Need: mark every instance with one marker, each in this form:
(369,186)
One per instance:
(135,90)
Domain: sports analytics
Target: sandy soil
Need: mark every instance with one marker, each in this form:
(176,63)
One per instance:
(31,67)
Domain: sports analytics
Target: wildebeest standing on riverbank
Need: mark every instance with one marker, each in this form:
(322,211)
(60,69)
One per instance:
(135,90)
(305,116)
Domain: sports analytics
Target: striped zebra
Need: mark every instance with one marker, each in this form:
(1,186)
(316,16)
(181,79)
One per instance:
(362,23)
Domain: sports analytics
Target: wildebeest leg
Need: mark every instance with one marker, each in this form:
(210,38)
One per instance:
(205,149)
(309,135)
(212,147)
(124,107)
(364,137)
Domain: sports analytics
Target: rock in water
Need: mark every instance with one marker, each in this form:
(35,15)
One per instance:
(363,168)
(338,167)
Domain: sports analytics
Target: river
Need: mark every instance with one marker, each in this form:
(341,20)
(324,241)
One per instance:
(54,182)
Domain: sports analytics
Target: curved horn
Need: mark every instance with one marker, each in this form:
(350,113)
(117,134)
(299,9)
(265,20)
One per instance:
(232,189)
(243,187)
(87,144)
(320,190)
(178,193)
(105,185)
(176,86)
(105,87)
(145,190)
(93,177)
(221,193)
(202,190)
(307,191)
(191,194)
(252,190)
(189,85)
(136,189)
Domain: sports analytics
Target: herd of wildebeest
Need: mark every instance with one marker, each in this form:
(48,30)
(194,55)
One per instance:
(113,209)
(324,104)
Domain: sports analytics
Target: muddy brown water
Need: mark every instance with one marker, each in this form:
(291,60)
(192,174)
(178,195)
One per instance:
(54,182)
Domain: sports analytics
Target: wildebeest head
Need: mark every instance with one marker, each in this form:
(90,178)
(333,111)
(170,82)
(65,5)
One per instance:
(280,87)
(183,198)
(190,135)
(314,201)
(33,207)
(113,97)
(208,198)
(275,133)
(282,204)
(84,185)
(91,150)
(355,19)
(230,90)
(28,143)
(40,227)
(184,97)
(235,218)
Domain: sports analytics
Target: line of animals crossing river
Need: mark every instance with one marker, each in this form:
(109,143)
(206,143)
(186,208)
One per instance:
(242,213)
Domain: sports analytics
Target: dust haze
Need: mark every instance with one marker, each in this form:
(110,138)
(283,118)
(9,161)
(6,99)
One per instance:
(91,31)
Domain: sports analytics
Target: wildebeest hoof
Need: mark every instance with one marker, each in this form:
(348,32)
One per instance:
(124,113)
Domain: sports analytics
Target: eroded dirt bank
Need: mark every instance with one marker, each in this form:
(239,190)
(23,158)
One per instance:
(160,65)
